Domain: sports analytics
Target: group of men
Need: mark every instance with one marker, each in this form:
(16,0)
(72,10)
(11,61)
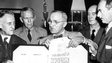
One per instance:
(101,36)
(10,38)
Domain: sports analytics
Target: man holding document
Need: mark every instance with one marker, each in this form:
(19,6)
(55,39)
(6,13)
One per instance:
(57,22)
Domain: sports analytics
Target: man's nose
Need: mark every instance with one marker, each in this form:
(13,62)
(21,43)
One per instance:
(13,27)
(52,24)
(89,17)
(29,20)
(99,14)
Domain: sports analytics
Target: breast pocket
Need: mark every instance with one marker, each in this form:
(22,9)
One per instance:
(108,52)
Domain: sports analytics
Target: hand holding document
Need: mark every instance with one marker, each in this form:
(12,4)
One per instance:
(59,52)
(93,47)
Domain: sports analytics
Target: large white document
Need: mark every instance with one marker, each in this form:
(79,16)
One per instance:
(58,53)
(30,54)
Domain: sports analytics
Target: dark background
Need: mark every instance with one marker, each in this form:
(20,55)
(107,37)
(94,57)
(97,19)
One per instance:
(65,5)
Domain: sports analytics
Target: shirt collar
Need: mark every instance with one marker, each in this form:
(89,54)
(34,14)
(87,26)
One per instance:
(4,36)
(28,29)
(109,26)
(96,29)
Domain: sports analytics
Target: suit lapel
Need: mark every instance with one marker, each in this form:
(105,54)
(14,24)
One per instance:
(104,41)
(11,40)
(24,36)
(65,34)
(1,41)
(98,35)
(108,35)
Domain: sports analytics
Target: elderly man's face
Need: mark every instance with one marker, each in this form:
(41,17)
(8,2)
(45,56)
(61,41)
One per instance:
(92,15)
(8,25)
(28,19)
(104,13)
(56,23)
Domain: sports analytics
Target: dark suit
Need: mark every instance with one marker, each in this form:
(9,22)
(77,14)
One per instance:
(86,33)
(105,55)
(14,42)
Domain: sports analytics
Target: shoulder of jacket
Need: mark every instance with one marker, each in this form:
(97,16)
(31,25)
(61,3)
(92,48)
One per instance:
(18,30)
(41,30)
(73,34)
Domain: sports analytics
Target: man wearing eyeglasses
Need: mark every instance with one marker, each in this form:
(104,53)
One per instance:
(57,22)
(29,32)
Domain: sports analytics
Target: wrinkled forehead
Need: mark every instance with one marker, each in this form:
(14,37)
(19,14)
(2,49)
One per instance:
(7,18)
(92,8)
(56,16)
(27,13)
(102,4)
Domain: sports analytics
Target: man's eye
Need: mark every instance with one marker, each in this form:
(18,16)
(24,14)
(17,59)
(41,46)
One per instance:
(9,23)
(56,22)
(93,13)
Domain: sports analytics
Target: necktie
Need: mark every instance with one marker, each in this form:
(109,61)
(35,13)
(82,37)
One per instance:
(5,42)
(58,36)
(93,35)
(29,35)
(6,48)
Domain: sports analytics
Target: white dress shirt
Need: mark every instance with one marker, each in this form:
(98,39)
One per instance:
(96,30)
(4,36)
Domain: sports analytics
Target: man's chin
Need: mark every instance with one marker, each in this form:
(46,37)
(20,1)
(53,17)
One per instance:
(53,32)
(29,27)
(10,34)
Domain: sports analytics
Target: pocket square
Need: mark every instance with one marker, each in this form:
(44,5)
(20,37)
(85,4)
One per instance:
(108,47)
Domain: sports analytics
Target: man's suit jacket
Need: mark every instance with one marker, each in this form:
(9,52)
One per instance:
(86,33)
(105,49)
(14,42)
(37,32)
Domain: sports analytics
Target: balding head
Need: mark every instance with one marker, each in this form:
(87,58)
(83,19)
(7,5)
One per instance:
(92,8)
(57,22)
(59,14)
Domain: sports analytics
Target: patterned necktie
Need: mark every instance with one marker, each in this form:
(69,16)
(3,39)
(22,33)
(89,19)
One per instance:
(29,35)
(93,35)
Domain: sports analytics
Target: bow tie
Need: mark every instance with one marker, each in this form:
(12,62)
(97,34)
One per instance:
(58,36)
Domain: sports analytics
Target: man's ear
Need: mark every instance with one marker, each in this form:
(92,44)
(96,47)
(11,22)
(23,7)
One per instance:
(65,23)
(21,19)
(109,6)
